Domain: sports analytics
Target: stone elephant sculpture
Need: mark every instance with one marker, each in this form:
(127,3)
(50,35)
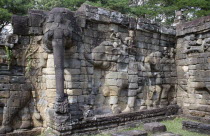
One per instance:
(157,93)
(57,36)
(15,103)
(107,57)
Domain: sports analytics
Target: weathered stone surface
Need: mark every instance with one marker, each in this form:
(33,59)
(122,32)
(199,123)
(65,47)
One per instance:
(116,63)
(20,24)
(154,127)
(196,127)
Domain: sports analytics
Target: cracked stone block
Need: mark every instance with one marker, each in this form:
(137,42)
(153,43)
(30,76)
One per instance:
(154,127)
(131,133)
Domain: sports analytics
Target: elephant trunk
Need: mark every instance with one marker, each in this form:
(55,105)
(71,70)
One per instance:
(58,52)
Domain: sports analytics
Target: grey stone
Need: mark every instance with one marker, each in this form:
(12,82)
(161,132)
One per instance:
(35,31)
(20,25)
(154,127)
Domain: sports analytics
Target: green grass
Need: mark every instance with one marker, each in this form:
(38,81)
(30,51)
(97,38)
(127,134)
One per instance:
(175,126)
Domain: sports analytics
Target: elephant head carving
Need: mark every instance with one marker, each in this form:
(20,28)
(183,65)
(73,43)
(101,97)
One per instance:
(57,36)
(103,55)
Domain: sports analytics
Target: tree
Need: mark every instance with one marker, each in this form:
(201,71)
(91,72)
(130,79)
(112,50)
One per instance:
(118,5)
(158,10)
(10,7)
(164,9)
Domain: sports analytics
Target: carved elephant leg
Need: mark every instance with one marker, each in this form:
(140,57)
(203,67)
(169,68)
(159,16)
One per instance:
(26,118)
(113,102)
(15,103)
(61,104)
(131,101)
(158,91)
(164,95)
(150,95)
(7,118)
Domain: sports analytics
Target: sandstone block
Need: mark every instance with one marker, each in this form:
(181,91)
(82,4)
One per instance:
(74,91)
(72,99)
(51,84)
(131,101)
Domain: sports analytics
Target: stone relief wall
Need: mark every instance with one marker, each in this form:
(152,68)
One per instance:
(112,64)
(18,97)
(192,60)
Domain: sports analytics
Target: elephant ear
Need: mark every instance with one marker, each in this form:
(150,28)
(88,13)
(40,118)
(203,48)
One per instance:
(47,40)
(68,39)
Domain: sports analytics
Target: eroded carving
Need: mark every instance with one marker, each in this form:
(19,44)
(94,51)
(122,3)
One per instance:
(109,56)
(17,101)
(9,40)
(157,94)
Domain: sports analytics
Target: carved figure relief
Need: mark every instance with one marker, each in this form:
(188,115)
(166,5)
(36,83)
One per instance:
(157,93)
(16,102)
(197,45)
(106,56)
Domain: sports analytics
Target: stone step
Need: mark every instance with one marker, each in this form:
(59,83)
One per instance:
(131,133)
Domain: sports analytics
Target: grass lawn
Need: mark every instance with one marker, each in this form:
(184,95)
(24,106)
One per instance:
(174,126)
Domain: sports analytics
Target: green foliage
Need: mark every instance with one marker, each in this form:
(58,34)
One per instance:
(157,10)
(47,4)
(73,4)
(166,8)
(175,126)
(9,7)
(118,5)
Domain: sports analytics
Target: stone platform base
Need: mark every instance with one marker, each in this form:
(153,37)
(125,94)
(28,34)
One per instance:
(101,123)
